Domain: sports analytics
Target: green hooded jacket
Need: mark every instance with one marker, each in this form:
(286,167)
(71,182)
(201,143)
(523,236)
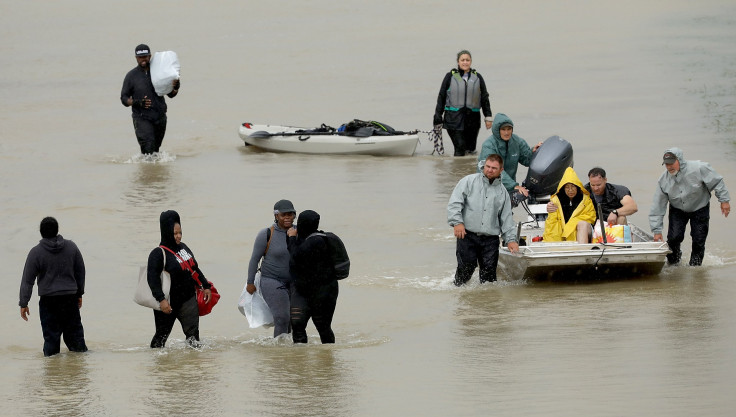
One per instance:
(514,152)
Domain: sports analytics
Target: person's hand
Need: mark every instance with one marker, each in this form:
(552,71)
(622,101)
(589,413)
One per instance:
(251,288)
(551,207)
(24,312)
(176,84)
(146,102)
(513,247)
(207,296)
(657,237)
(725,208)
(165,306)
(612,219)
(79,302)
(459,231)
(488,124)
(522,190)
(534,149)
(291,232)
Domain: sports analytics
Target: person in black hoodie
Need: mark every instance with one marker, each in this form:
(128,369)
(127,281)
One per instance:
(182,304)
(59,268)
(314,276)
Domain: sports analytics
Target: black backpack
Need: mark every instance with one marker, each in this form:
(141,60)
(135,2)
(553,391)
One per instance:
(340,259)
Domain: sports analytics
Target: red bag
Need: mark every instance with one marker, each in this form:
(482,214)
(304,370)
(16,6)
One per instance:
(204,308)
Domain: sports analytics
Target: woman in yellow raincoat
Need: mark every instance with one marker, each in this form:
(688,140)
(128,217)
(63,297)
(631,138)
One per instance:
(575,214)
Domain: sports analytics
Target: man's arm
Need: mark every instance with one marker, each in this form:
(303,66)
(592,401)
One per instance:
(628,206)
(657,212)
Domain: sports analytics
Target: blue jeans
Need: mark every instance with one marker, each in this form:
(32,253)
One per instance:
(60,317)
(476,250)
(678,219)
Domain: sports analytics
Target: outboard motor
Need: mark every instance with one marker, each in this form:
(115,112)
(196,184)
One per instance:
(547,166)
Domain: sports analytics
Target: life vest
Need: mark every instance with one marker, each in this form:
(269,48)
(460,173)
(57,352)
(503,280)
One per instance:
(463,93)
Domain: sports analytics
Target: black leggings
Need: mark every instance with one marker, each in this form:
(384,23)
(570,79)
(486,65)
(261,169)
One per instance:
(464,140)
(188,316)
(319,305)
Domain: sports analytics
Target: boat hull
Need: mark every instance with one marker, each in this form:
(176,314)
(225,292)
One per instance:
(393,145)
(564,261)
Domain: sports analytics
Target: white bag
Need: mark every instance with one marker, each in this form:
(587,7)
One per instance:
(254,307)
(164,70)
(143,295)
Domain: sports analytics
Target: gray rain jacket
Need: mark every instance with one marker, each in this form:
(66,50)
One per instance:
(688,190)
(484,207)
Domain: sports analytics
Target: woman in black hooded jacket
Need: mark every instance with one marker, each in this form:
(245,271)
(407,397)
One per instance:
(316,291)
(182,303)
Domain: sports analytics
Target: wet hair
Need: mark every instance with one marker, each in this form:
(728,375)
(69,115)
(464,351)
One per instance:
(495,157)
(49,227)
(597,172)
(464,52)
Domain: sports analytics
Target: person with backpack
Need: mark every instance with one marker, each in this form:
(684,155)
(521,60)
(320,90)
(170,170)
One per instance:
(271,257)
(313,269)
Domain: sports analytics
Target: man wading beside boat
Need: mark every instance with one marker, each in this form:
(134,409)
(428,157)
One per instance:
(479,211)
(686,186)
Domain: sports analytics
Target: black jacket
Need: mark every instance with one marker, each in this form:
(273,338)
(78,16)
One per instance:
(182,284)
(311,262)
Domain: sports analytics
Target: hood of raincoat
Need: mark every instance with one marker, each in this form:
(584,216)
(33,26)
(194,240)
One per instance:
(307,223)
(571,177)
(678,154)
(167,220)
(499,120)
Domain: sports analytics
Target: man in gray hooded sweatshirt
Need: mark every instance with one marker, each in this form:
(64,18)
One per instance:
(58,265)
(687,187)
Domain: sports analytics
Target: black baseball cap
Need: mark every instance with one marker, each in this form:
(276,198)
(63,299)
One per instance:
(142,50)
(669,158)
(283,206)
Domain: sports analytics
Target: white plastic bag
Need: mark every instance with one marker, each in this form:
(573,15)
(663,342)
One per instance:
(164,70)
(254,307)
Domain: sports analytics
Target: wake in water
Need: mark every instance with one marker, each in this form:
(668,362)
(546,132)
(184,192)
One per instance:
(152,158)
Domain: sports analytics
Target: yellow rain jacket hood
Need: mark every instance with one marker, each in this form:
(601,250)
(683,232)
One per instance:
(555,228)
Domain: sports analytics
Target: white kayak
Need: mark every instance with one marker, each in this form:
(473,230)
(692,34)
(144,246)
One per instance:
(300,140)
(580,261)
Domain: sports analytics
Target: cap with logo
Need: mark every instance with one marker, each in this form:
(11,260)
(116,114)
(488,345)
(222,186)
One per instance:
(669,158)
(142,50)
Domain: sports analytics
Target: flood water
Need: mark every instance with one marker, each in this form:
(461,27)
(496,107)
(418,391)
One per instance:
(621,81)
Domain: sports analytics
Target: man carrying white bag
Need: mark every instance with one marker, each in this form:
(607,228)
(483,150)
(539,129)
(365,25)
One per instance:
(146,101)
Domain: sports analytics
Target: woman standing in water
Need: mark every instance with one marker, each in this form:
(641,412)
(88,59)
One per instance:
(314,275)
(270,246)
(462,95)
(178,260)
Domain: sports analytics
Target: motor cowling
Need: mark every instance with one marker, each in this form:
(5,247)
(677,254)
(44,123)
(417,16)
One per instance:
(548,165)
